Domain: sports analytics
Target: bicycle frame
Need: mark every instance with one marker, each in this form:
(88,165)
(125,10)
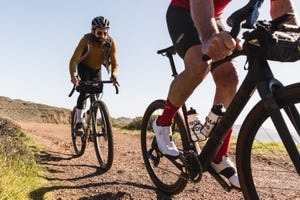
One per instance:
(97,123)
(259,77)
(254,158)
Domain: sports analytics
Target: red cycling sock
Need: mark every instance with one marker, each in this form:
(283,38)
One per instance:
(223,151)
(168,114)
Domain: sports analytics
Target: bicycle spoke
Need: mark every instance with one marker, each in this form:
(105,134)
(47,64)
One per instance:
(166,172)
(102,133)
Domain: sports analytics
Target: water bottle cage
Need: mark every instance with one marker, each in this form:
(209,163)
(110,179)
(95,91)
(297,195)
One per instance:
(208,126)
(197,127)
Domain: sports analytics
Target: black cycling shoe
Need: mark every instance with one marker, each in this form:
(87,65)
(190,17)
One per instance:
(79,129)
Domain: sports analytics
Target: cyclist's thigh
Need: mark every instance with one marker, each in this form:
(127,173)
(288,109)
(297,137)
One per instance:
(181,29)
(96,75)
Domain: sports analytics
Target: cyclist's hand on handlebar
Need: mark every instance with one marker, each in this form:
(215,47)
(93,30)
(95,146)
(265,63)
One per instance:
(221,45)
(113,78)
(75,80)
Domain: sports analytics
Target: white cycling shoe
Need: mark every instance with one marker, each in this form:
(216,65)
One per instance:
(227,169)
(164,140)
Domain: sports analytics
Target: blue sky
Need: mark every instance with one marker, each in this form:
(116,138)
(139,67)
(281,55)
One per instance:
(38,39)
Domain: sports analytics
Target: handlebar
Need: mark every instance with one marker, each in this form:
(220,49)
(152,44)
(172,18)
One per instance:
(91,83)
(277,47)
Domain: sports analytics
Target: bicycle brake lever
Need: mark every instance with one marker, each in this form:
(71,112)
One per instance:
(235,20)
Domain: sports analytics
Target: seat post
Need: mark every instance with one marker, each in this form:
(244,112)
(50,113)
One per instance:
(174,71)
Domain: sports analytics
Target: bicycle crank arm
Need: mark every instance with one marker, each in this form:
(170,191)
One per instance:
(219,179)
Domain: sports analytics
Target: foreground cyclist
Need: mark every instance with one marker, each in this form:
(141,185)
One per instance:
(94,49)
(187,21)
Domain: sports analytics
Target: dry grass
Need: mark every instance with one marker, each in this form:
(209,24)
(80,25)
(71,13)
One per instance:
(19,110)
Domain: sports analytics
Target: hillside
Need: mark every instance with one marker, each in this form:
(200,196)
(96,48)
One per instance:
(19,110)
(25,111)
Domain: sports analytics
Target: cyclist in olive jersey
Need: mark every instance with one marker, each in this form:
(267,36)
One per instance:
(94,50)
(188,21)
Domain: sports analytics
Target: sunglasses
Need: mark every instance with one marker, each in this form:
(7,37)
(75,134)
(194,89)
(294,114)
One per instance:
(101,33)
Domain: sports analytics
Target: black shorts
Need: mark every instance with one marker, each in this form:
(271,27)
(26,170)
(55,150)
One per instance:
(182,31)
(87,74)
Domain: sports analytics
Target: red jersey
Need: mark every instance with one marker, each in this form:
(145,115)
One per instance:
(218,4)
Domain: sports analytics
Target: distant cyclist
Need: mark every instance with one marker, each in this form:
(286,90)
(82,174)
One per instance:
(94,50)
(188,21)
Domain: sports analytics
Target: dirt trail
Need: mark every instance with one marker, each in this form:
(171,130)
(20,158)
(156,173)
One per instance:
(77,178)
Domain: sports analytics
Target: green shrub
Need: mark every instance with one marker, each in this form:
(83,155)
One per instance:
(136,124)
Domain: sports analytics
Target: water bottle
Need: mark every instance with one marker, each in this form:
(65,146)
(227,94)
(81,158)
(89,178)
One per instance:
(195,125)
(212,119)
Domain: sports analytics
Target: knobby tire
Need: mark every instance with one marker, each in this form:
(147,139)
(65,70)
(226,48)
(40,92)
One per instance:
(102,135)
(159,167)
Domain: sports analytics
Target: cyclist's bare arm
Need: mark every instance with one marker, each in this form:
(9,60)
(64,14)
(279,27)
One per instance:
(216,46)
(280,7)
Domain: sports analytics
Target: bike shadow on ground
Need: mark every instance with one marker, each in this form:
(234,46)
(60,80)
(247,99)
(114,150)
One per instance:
(39,194)
(50,158)
(46,156)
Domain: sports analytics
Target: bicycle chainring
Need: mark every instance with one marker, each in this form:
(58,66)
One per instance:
(194,166)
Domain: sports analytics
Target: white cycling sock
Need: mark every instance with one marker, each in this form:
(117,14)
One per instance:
(79,115)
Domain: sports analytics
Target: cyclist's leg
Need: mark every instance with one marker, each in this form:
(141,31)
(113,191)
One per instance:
(187,44)
(84,75)
(226,80)
(186,41)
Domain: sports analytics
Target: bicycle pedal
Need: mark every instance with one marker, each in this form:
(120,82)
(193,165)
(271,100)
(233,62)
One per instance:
(220,179)
(77,133)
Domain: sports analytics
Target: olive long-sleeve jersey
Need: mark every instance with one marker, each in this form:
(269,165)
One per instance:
(94,56)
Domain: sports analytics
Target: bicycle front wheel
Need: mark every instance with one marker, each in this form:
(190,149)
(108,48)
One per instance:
(79,141)
(268,164)
(102,135)
(163,172)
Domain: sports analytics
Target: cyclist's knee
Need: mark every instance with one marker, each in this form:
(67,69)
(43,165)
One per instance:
(194,65)
(226,76)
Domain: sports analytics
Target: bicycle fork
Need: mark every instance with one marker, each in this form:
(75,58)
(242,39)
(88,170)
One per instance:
(265,90)
(87,128)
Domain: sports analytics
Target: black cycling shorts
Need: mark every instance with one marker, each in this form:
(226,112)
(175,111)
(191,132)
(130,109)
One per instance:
(86,74)
(182,31)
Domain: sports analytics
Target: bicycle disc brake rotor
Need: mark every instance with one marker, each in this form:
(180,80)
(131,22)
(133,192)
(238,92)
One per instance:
(193,165)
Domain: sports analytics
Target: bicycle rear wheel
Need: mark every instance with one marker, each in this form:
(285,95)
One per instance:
(102,135)
(164,174)
(265,167)
(79,141)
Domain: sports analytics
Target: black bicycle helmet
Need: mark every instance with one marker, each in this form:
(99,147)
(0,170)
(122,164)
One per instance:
(100,22)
